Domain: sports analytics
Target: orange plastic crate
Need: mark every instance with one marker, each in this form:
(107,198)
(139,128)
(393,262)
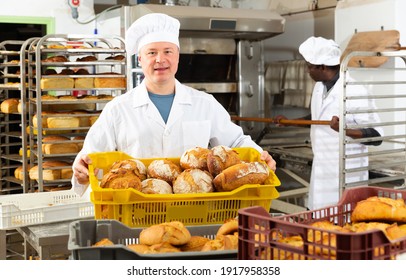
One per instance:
(136,209)
(259,232)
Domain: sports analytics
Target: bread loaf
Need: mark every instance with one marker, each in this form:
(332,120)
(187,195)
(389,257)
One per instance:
(240,174)
(193,181)
(10,105)
(221,157)
(57,83)
(110,82)
(58,170)
(56,58)
(58,148)
(195,158)
(18,172)
(135,165)
(125,174)
(155,186)
(379,209)
(163,169)
(87,58)
(174,233)
(62,121)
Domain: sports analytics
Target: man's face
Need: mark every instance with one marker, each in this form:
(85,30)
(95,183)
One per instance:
(315,71)
(159,61)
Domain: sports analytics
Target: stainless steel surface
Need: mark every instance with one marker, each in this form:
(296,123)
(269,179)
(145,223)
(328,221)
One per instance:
(209,22)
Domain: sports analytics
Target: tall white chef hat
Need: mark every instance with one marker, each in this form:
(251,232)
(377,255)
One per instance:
(320,51)
(151,28)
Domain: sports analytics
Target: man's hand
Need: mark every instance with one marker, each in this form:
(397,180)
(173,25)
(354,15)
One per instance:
(81,171)
(334,123)
(265,156)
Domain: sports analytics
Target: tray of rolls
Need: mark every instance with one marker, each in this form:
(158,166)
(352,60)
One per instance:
(112,240)
(203,186)
(368,223)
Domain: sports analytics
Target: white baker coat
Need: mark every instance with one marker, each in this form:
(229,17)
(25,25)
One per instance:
(132,124)
(324,181)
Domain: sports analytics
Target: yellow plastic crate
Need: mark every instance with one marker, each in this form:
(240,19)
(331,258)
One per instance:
(136,209)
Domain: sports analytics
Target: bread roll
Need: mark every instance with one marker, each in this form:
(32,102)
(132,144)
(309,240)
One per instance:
(164,247)
(109,82)
(240,174)
(155,186)
(138,248)
(193,181)
(195,243)
(103,242)
(58,148)
(221,157)
(164,169)
(174,233)
(56,171)
(10,105)
(195,158)
(230,226)
(223,242)
(379,209)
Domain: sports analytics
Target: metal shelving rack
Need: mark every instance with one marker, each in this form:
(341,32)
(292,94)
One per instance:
(387,86)
(12,78)
(71,46)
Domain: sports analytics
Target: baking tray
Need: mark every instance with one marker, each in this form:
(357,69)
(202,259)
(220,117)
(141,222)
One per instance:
(84,233)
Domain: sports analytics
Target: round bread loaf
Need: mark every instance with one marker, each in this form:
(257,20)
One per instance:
(195,158)
(221,157)
(240,174)
(174,233)
(193,181)
(121,178)
(164,169)
(138,248)
(135,165)
(155,186)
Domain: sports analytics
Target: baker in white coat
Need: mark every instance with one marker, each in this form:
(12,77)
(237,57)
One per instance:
(160,117)
(323,64)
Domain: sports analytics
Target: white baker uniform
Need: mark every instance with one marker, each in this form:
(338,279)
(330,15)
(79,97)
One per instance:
(324,182)
(132,124)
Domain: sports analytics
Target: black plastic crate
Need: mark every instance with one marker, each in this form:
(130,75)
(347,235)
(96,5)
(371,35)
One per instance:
(84,233)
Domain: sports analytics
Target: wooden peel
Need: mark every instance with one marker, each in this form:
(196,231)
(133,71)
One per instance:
(289,122)
(375,41)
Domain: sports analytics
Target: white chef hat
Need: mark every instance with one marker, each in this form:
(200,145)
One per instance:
(320,51)
(151,28)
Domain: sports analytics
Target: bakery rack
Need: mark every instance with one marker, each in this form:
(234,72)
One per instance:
(11,80)
(386,84)
(53,91)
